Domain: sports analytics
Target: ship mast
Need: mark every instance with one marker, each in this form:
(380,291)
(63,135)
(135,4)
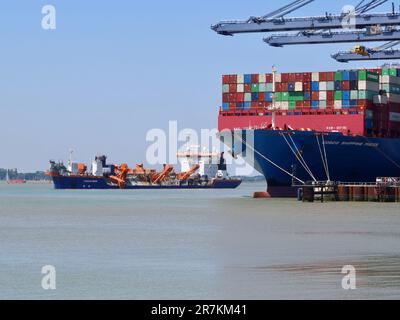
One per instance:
(274,108)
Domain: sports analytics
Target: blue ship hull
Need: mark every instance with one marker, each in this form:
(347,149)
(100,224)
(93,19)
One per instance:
(349,158)
(87,182)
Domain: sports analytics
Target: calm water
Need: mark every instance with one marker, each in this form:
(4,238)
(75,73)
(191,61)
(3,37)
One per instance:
(193,244)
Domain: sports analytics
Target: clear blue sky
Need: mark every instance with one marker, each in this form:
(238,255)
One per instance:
(115,69)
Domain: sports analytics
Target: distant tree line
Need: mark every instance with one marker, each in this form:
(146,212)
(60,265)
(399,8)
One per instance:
(29,176)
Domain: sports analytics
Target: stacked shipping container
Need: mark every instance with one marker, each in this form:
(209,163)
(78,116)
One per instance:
(374,92)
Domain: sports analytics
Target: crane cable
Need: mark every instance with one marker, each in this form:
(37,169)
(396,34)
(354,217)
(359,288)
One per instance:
(299,156)
(269,160)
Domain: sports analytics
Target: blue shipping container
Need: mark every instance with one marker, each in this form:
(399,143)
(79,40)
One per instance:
(338,85)
(247,78)
(345,75)
(239,105)
(353,75)
(268,96)
(291,86)
(346,95)
(225,106)
(307,95)
(315,86)
(247,105)
(314,104)
(254,96)
(346,104)
(353,103)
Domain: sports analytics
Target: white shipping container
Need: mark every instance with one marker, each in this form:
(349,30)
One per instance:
(240,88)
(278,77)
(368,85)
(330,86)
(247,97)
(322,96)
(298,86)
(240,78)
(262,78)
(315,76)
(278,104)
(390,80)
(323,86)
(338,104)
(225,88)
(285,105)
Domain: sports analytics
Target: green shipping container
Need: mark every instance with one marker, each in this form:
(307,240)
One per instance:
(292,105)
(296,96)
(365,75)
(278,96)
(255,87)
(270,87)
(322,104)
(338,76)
(366,95)
(389,72)
(285,96)
(338,95)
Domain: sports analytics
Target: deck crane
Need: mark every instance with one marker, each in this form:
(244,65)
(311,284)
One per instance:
(276,21)
(384,52)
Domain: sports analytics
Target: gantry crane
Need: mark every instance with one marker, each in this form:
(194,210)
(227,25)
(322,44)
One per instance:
(384,52)
(276,21)
(367,27)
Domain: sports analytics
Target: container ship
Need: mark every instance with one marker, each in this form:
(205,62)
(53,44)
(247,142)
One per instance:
(316,126)
(199,170)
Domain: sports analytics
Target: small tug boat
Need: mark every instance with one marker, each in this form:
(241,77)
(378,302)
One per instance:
(198,171)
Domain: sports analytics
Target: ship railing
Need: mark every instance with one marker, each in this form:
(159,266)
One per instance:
(299,112)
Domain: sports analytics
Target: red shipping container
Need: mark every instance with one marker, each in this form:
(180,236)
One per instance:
(225,79)
(232,105)
(298,77)
(285,87)
(232,97)
(330,95)
(261,96)
(254,78)
(307,103)
(330,103)
(292,77)
(306,86)
(247,88)
(232,88)
(307,77)
(315,95)
(268,78)
(322,76)
(299,104)
(225,97)
(233,79)
(254,104)
(240,97)
(285,77)
(345,85)
(260,105)
(278,87)
(330,76)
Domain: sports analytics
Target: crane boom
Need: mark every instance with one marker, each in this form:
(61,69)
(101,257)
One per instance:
(331,37)
(274,22)
(346,56)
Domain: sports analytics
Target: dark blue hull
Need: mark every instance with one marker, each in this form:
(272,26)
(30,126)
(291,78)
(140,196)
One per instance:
(88,183)
(350,159)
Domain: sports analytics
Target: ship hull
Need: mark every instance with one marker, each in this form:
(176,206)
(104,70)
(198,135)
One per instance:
(349,158)
(98,183)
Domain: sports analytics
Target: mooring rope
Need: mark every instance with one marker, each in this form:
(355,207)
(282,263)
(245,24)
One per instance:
(323,157)
(269,160)
(299,157)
